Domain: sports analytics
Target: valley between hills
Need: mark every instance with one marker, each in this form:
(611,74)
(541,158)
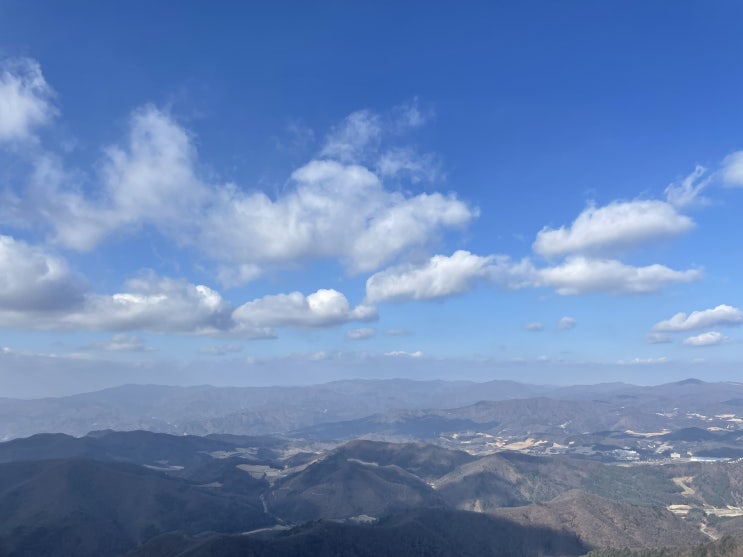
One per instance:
(375,468)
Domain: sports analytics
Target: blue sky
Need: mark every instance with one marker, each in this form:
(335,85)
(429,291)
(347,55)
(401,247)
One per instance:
(295,192)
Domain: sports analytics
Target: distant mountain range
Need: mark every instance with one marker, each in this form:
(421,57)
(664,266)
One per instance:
(374,468)
(414,407)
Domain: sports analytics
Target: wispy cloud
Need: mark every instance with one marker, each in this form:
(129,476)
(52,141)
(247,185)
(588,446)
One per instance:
(732,170)
(687,192)
(124,343)
(658,338)
(361,334)
(398,332)
(222,349)
(25,99)
(404,354)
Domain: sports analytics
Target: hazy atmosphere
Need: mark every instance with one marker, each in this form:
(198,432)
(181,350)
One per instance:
(293,192)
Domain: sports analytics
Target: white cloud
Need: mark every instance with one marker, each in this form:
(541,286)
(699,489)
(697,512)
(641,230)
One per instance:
(720,315)
(361,334)
(162,305)
(405,162)
(38,291)
(566,323)
(646,361)
(711,338)
(334,211)
(359,137)
(404,223)
(513,275)
(398,332)
(320,309)
(444,276)
(150,181)
(534,327)
(440,277)
(238,275)
(404,354)
(32,280)
(330,210)
(157,304)
(148,303)
(581,275)
(732,169)
(613,228)
(685,192)
(351,141)
(25,99)
(410,115)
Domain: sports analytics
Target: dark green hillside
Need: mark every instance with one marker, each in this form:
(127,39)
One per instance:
(88,508)
(512,479)
(424,533)
(425,461)
(341,487)
(725,547)
(137,447)
(599,522)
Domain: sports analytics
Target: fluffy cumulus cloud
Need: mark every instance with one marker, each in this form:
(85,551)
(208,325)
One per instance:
(25,99)
(711,338)
(34,281)
(443,276)
(566,323)
(150,180)
(325,307)
(732,169)
(38,291)
(154,303)
(613,228)
(440,277)
(534,327)
(338,207)
(715,317)
(334,211)
(582,275)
